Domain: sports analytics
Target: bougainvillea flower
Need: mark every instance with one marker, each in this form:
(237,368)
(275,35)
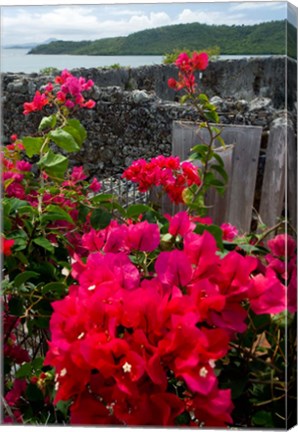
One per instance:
(183,62)
(267,294)
(143,236)
(229,232)
(199,61)
(95,186)
(180,224)
(173,268)
(281,245)
(39,101)
(7,244)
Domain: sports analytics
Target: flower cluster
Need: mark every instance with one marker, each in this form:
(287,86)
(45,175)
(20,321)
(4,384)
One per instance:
(282,260)
(69,93)
(168,172)
(137,347)
(15,171)
(187,66)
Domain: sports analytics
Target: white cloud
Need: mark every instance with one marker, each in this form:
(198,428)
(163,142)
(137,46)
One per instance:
(75,23)
(217,18)
(79,22)
(257,5)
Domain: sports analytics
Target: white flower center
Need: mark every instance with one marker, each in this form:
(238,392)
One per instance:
(92,287)
(126,367)
(63,372)
(203,372)
(81,335)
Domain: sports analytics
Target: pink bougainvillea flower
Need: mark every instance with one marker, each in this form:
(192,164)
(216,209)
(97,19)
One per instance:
(292,292)
(95,186)
(93,241)
(78,174)
(23,165)
(281,245)
(39,101)
(267,294)
(14,395)
(173,268)
(180,224)
(7,244)
(143,236)
(229,232)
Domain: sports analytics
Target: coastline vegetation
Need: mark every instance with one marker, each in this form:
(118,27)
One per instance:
(265,38)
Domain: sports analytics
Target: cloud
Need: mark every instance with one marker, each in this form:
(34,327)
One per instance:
(188,16)
(90,22)
(76,23)
(257,5)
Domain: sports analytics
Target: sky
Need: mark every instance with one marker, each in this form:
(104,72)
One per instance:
(25,23)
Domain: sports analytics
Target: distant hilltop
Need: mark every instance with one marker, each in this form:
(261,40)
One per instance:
(265,38)
(29,45)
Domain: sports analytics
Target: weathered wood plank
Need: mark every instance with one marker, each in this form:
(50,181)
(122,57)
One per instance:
(218,204)
(273,188)
(247,141)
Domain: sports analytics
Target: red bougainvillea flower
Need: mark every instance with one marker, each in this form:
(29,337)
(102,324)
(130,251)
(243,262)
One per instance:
(39,101)
(7,244)
(183,62)
(199,61)
(168,172)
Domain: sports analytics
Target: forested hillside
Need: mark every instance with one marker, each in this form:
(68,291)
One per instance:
(264,38)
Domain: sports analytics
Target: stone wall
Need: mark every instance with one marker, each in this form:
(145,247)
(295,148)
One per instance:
(128,123)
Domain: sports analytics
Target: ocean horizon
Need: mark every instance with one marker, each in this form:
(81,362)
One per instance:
(17,60)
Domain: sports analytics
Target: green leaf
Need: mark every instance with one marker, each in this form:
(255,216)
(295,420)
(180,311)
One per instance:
(53,211)
(263,418)
(135,210)
(203,98)
(7,224)
(37,363)
(24,277)
(48,122)
(32,145)
(24,371)
(33,393)
(63,407)
(212,116)
(55,165)
(184,99)
(102,198)
(57,288)
(64,140)
(200,149)
(44,243)
(221,171)
(100,219)
(218,159)
(76,130)
(15,306)
(16,204)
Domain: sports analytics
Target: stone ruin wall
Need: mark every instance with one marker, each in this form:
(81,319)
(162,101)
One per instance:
(135,108)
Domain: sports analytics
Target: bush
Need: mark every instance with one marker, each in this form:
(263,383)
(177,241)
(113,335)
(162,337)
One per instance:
(127,316)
